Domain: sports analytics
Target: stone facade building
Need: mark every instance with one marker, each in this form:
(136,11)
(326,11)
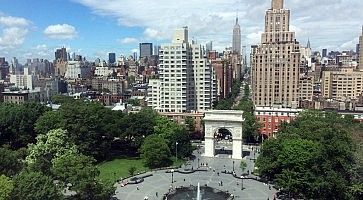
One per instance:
(275,62)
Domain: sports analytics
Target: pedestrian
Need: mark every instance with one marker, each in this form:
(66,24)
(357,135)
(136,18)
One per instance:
(156,194)
(221,183)
(218,173)
(137,187)
(184,180)
(269,187)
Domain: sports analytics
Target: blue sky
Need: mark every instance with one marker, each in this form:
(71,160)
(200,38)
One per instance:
(34,28)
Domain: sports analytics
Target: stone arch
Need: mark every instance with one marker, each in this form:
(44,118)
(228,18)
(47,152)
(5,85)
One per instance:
(230,120)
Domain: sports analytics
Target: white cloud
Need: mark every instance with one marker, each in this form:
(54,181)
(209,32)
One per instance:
(12,37)
(214,19)
(41,47)
(129,40)
(13,32)
(152,34)
(60,31)
(10,21)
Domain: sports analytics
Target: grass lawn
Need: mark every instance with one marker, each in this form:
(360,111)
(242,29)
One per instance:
(115,169)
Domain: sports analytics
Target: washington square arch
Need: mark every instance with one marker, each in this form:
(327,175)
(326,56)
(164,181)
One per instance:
(227,120)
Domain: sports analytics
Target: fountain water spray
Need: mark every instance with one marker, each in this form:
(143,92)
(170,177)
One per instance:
(198,193)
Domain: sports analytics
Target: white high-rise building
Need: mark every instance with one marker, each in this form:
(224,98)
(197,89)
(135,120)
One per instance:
(23,81)
(361,51)
(203,79)
(154,93)
(186,81)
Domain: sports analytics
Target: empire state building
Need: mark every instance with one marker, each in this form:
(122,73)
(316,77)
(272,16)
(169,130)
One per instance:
(236,41)
(275,62)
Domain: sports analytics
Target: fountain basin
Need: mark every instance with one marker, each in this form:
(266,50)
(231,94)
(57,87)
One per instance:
(190,193)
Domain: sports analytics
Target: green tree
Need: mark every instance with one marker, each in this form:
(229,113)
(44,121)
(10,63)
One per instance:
(155,152)
(61,99)
(48,121)
(52,145)
(190,123)
(134,102)
(227,103)
(250,125)
(10,162)
(174,134)
(312,157)
(34,186)
(87,128)
(17,123)
(91,126)
(132,170)
(138,126)
(80,171)
(6,187)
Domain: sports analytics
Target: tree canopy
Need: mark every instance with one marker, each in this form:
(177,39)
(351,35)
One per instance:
(54,144)
(34,186)
(6,187)
(10,162)
(155,152)
(313,157)
(17,123)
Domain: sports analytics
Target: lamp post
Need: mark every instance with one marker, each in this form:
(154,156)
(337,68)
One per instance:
(172,176)
(198,162)
(233,167)
(176,152)
(242,183)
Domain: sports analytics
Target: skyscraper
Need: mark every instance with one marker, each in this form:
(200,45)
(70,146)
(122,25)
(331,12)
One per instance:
(275,62)
(61,54)
(186,79)
(361,50)
(146,50)
(325,53)
(236,41)
(209,46)
(111,58)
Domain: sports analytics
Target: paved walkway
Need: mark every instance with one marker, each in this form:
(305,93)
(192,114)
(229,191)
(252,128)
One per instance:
(160,182)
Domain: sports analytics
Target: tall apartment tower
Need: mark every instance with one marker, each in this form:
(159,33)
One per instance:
(176,74)
(186,80)
(236,40)
(275,62)
(361,51)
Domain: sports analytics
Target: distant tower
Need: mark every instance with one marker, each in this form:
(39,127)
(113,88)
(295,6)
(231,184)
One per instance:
(111,58)
(308,44)
(146,50)
(236,41)
(61,54)
(361,51)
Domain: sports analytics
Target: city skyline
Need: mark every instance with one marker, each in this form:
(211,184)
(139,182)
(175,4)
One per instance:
(92,29)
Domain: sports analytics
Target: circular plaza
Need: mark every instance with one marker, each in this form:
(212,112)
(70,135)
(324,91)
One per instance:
(221,173)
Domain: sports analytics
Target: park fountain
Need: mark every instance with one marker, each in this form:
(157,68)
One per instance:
(198,193)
